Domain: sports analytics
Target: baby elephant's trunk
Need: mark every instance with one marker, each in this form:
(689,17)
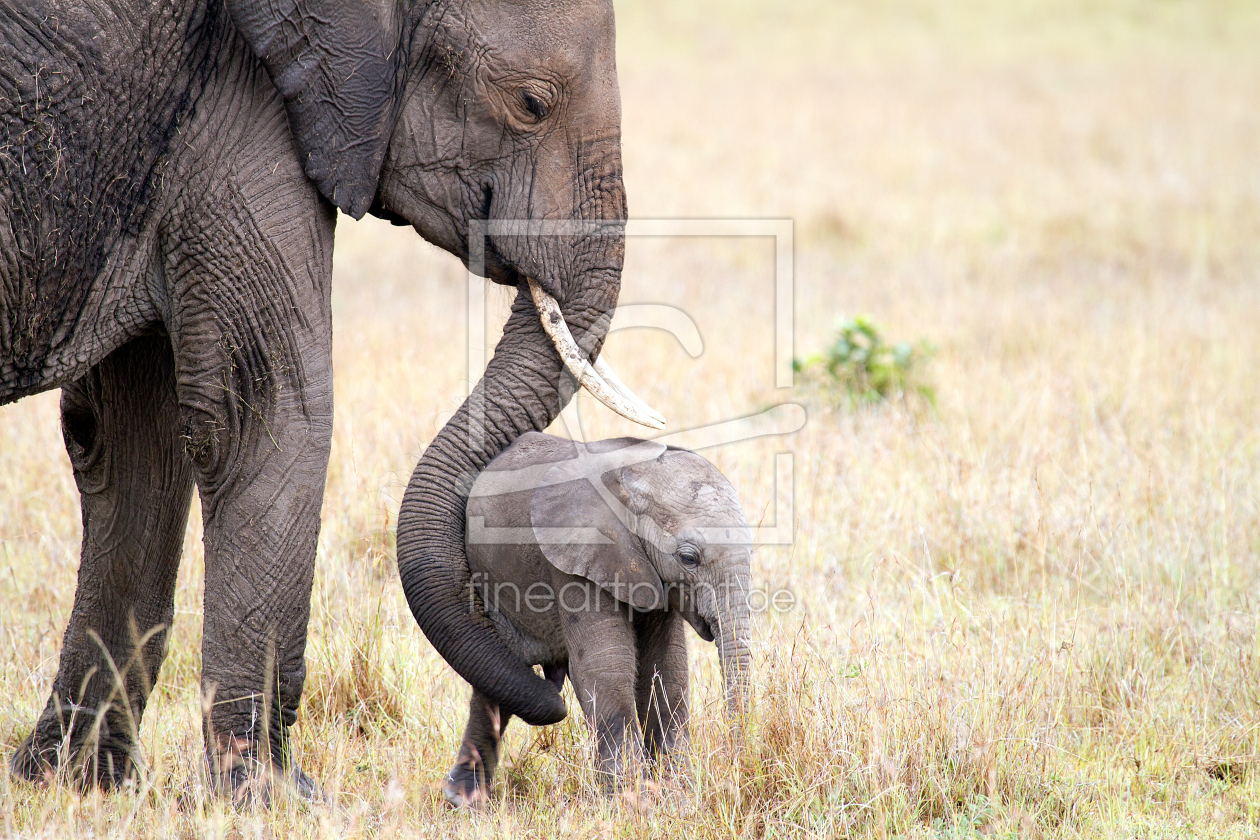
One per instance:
(732,632)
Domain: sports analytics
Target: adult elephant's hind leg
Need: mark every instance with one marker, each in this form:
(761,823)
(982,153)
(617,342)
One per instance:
(120,425)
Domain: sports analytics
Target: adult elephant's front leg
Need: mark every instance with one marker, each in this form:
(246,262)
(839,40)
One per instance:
(261,446)
(254,367)
(120,424)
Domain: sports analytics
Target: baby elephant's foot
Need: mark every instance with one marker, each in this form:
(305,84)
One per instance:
(467,785)
(640,797)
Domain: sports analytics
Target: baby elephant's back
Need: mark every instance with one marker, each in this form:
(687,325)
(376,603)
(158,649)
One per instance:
(509,571)
(499,536)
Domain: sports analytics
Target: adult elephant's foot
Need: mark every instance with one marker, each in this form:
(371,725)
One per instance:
(72,744)
(239,774)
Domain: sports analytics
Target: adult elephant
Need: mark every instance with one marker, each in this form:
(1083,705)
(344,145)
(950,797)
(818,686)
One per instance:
(170,182)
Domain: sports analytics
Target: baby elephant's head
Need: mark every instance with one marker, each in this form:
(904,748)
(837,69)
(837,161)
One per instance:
(659,529)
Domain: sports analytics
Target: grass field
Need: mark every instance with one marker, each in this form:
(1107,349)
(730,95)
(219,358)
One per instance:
(1030,612)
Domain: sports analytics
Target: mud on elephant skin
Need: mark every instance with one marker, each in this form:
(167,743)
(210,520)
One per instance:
(589,560)
(171,176)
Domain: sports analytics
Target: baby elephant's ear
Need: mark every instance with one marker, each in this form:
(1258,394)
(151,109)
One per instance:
(580,530)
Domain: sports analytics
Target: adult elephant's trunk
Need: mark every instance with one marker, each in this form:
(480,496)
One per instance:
(519,393)
(732,632)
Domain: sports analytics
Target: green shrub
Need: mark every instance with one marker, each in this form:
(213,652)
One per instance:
(860,367)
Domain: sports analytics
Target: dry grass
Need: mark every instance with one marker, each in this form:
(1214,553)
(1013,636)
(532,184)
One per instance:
(1030,613)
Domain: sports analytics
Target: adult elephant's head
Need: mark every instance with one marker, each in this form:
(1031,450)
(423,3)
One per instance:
(442,115)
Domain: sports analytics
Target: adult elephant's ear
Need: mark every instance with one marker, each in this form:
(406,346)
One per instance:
(579,527)
(335,62)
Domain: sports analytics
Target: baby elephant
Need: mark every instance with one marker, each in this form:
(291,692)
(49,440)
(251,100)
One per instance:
(588,559)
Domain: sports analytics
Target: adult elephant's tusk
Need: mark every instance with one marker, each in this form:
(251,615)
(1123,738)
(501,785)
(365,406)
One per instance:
(605,372)
(599,379)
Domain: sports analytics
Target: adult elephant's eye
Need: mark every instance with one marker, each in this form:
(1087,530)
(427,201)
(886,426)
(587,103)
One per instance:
(688,556)
(534,105)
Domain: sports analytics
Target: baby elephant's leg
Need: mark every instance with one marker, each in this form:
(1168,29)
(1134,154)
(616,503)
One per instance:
(602,666)
(468,782)
(661,689)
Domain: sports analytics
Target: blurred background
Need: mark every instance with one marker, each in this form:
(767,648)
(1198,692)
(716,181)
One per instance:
(1026,502)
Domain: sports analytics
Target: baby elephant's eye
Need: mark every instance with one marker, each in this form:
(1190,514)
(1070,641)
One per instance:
(688,556)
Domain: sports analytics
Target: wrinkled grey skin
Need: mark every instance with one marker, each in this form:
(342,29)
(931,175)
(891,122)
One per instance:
(170,178)
(607,607)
